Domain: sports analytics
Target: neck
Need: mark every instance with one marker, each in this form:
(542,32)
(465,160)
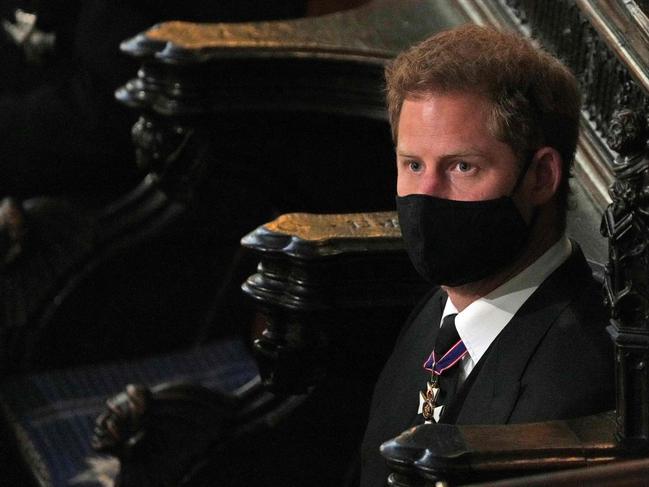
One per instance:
(539,242)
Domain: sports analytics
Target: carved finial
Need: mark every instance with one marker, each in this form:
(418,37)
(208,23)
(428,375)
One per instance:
(157,145)
(627,133)
(120,427)
(12,230)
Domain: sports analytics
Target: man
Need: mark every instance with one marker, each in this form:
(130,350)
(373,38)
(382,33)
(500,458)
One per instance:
(486,128)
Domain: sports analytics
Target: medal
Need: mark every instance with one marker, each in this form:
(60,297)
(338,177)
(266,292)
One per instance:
(428,400)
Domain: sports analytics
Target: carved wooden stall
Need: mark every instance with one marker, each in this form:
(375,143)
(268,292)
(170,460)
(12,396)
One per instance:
(611,68)
(605,43)
(202,86)
(582,33)
(239,123)
(326,309)
(334,290)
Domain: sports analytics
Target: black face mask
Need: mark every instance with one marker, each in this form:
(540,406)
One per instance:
(456,242)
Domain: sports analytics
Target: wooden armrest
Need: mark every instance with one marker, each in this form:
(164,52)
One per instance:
(161,435)
(619,474)
(462,454)
(333,288)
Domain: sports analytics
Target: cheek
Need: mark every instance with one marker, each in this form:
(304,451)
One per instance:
(407,182)
(477,190)
(403,186)
(501,184)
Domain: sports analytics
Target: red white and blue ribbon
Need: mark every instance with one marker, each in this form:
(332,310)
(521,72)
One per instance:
(450,358)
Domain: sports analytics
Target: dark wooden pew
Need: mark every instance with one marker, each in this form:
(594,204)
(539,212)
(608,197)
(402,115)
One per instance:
(239,123)
(195,94)
(421,456)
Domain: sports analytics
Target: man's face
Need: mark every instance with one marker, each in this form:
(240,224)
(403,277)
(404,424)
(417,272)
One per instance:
(445,150)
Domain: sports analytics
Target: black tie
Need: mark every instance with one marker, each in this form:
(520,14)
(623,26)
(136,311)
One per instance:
(446,338)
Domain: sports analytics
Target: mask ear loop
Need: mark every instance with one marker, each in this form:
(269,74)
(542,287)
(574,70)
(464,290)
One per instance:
(519,180)
(522,173)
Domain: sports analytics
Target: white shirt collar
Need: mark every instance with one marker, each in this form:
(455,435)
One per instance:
(480,323)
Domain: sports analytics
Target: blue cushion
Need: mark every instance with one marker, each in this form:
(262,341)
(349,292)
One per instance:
(52,414)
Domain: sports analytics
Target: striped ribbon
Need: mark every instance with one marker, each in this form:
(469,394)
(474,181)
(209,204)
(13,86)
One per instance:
(450,358)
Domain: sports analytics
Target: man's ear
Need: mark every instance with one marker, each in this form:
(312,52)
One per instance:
(546,171)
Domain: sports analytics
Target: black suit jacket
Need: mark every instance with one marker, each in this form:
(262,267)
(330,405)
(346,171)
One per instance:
(553,360)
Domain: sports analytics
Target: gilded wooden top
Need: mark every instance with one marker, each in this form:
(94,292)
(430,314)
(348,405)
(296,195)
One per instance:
(314,227)
(378,29)
(190,35)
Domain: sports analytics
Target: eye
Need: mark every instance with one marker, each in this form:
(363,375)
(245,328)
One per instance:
(463,166)
(415,166)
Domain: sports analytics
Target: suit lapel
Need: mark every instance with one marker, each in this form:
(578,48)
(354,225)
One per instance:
(424,347)
(404,375)
(494,392)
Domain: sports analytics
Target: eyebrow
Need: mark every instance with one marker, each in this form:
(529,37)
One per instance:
(474,153)
(403,154)
(469,153)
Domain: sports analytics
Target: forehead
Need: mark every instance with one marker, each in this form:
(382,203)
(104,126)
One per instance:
(446,111)
(447,122)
